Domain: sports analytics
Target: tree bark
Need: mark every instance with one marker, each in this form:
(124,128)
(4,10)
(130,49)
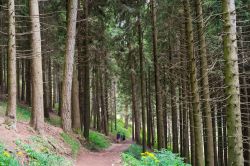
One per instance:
(68,66)
(231,73)
(10,117)
(159,113)
(173,107)
(209,158)
(199,154)
(142,74)
(76,121)
(134,97)
(37,119)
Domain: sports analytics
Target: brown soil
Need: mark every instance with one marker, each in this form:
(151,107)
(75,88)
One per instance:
(23,132)
(109,157)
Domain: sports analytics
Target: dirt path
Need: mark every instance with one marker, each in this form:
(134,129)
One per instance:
(109,157)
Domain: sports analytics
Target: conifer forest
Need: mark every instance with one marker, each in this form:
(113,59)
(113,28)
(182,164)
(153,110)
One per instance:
(124,82)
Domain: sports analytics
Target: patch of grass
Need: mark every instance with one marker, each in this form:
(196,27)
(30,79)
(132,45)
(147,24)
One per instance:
(23,113)
(97,141)
(55,120)
(6,158)
(40,153)
(74,144)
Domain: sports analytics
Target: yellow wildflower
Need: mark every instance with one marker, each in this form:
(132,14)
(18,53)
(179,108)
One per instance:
(151,155)
(20,153)
(6,154)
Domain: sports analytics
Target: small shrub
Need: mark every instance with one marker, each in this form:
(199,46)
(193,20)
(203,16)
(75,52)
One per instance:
(131,157)
(97,141)
(129,160)
(42,155)
(134,150)
(122,129)
(7,159)
(74,144)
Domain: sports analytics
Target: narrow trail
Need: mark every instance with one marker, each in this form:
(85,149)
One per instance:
(108,157)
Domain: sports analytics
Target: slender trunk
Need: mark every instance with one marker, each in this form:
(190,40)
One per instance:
(225,145)
(23,80)
(37,119)
(173,107)
(27,82)
(142,74)
(150,139)
(220,137)
(17,78)
(214,115)
(68,66)
(164,107)
(199,154)
(234,132)
(184,98)
(83,74)
(126,116)
(134,97)
(76,121)
(159,113)
(106,131)
(209,158)
(115,113)
(10,118)
(45,86)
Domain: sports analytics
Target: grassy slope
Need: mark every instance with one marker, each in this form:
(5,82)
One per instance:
(39,150)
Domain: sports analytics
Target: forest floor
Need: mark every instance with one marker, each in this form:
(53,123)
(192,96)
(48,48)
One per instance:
(108,157)
(53,141)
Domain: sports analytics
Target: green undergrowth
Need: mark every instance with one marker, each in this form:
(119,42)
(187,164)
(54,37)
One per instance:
(23,112)
(97,141)
(133,156)
(54,120)
(7,158)
(42,152)
(74,144)
(121,129)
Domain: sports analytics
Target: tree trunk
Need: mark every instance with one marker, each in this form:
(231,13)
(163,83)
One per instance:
(68,66)
(10,118)
(134,97)
(142,74)
(173,106)
(37,119)
(27,82)
(199,154)
(214,115)
(149,113)
(126,118)
(23,80)
(76,121)
(209,158)
(234,132)
(220,137)
(159,113)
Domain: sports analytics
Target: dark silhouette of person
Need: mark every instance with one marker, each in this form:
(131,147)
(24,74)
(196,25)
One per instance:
(118,137)
(123,137)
